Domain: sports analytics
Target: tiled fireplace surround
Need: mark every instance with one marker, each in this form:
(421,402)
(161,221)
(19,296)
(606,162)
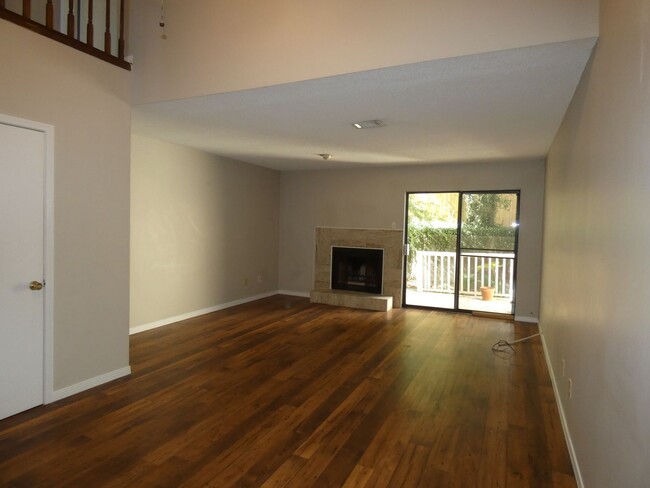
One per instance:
(389,240)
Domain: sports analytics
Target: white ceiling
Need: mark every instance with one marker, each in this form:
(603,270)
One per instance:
(495,106)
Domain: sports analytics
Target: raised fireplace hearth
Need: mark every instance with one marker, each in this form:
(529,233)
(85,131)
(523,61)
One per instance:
(388,289)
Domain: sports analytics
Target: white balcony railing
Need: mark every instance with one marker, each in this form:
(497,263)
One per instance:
(436,272)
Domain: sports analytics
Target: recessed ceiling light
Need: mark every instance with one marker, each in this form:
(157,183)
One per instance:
(325,156)
(368,124)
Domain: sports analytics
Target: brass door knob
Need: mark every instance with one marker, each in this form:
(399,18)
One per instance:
(35,285)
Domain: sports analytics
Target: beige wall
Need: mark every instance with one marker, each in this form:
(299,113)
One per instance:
(375,198)
(218,46)
(86,100)
(203,228)
(595,306)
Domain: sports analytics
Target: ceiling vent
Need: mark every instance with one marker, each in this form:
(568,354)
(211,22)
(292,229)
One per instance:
(368,124)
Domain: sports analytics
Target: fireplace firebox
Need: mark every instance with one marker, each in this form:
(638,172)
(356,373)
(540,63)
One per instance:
(357,269)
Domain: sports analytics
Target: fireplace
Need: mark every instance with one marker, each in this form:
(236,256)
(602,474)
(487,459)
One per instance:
(357,269)
(389,292)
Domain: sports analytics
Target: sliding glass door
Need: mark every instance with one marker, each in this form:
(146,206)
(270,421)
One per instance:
(487,251)
(432,238)
(462,250)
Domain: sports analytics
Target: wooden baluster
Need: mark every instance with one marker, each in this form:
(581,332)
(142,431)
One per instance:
(49,14)
(71,18)
(90,29)
(107,34)
(120,43)
(27,8)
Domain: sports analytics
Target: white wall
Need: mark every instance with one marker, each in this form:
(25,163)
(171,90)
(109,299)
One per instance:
(595,306)
(216,46)
(203,228)
(86,100)
(375,198)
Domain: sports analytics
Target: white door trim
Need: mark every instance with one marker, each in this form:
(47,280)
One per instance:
(48,241)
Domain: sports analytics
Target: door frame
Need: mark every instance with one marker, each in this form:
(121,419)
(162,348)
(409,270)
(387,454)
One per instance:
(48,248)
(458,250)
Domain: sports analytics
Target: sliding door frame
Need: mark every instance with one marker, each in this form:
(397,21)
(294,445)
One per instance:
(459,249)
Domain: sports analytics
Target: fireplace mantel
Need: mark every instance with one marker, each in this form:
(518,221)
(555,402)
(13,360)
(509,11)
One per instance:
(389,240)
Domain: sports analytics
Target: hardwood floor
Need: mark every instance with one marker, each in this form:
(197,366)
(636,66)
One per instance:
(283,393)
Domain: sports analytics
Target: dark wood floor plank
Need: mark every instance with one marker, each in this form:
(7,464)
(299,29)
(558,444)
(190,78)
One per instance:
(358,478)
(281,392)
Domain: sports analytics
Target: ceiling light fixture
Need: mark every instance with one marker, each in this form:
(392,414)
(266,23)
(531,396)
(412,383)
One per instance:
(368,124)
(325,156)
(163,34)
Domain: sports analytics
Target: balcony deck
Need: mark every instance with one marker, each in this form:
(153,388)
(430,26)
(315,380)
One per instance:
(466,302)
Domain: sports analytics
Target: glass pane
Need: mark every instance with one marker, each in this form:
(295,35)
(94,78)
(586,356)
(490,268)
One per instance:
(432,226)
(489,221)
(487,258)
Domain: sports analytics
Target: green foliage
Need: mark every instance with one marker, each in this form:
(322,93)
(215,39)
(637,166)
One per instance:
(431,239)
(492,237)
(473,237)
(479,228)
(433,207)
(432,219)
(482,208)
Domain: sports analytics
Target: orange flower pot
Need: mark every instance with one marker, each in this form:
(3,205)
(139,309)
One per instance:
(487,293)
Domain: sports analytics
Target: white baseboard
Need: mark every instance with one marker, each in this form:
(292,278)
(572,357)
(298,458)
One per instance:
(565,425)
(89,383)
(304,294)
(177,318)
(525,318)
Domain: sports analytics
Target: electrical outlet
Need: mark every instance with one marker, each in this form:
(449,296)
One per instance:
(570,389)
(563,367)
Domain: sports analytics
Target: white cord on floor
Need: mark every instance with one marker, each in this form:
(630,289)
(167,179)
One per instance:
(526,338)
(504,346)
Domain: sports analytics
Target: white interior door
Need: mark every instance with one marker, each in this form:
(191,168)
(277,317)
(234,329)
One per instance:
(22,168)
